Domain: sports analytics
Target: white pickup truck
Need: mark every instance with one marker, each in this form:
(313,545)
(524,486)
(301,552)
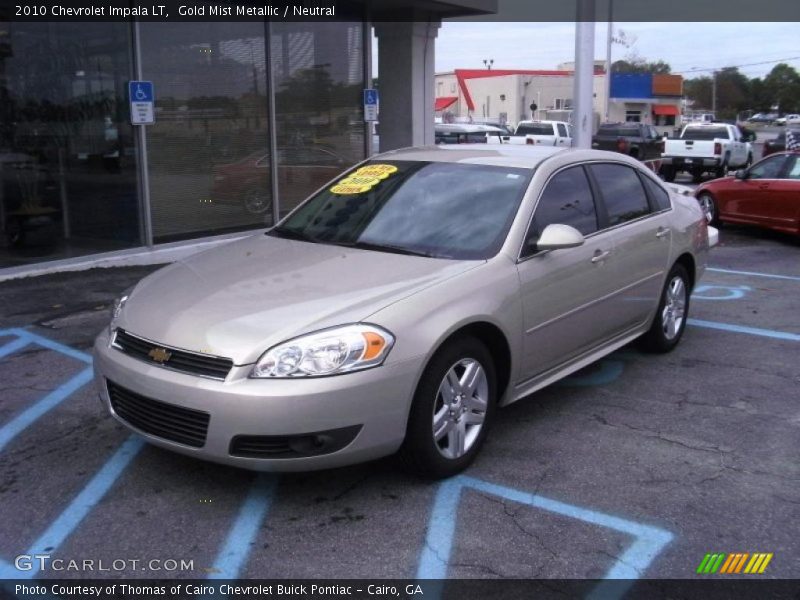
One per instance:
(702,147)
(545,133)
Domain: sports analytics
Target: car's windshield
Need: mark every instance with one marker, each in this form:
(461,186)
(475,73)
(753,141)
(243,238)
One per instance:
(704,133)
(438,209)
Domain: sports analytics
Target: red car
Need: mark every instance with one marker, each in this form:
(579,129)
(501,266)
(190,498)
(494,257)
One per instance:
(766,194)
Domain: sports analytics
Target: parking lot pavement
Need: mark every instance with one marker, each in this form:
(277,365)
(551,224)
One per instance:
(635,467)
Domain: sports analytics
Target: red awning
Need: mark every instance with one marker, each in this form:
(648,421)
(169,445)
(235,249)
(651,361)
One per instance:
(665,109)
(444,102)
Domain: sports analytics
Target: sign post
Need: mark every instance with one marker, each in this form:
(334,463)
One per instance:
(371,105)
(142,102)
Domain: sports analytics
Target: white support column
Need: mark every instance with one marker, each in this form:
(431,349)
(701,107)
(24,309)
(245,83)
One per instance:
(406,54)
(582,118)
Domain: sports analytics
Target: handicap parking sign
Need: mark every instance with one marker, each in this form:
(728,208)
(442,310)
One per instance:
(142,102)
(370,105)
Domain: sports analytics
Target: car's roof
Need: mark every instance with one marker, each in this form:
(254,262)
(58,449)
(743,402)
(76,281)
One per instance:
(526,156)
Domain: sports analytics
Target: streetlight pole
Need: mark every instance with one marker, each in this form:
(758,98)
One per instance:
(609,37)
(582,113)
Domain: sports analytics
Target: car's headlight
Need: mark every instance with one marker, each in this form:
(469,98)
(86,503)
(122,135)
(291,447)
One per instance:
(117,306)
(328,352)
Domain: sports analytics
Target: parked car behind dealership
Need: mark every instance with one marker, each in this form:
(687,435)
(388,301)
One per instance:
(767,194)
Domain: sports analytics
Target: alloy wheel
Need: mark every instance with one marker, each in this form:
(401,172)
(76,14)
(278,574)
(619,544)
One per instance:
(460,408)
(674,309)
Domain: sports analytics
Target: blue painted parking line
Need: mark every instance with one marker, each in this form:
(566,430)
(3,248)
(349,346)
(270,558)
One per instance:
(769,333)
(81,505)
(754,274)
(15,346)
(720,292)
(648,540)
(609,370)
(27,417)
(238,544)
(23,420)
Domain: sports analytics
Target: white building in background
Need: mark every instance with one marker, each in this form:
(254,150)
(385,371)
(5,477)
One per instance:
(506,95)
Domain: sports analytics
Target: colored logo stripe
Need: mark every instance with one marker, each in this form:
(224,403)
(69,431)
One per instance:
(733,563)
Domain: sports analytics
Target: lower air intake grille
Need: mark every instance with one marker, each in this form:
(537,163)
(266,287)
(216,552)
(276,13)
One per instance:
(174,423)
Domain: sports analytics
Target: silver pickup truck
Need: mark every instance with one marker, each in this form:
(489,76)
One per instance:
(705,147)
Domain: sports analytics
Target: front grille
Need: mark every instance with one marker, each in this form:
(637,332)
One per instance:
(174,423)
(184,361)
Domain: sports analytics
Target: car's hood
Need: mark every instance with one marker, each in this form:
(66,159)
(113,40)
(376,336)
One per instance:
(238,300)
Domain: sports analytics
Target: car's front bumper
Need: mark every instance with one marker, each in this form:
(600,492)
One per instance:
(376,399)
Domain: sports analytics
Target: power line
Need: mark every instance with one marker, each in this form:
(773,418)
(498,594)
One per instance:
(767,62)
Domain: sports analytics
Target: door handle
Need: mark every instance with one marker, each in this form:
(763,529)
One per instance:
(662,232)
(600,255)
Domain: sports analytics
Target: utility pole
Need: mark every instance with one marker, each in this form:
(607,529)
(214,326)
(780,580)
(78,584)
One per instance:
(582,113)
(609,37)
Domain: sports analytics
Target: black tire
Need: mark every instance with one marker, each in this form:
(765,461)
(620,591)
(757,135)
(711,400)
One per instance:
(697,175)
(656,339)
(721,171)
(668,173)
(420,453)
(709,207)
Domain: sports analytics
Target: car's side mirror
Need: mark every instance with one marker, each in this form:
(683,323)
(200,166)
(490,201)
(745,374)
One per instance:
(741,174)
(557,236)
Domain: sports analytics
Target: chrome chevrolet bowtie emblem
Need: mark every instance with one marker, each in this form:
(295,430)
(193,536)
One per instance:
(160,355)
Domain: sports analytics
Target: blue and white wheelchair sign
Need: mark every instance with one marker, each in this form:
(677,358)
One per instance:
(142,101)
(371,105)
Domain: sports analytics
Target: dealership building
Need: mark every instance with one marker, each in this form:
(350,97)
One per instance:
(249,118)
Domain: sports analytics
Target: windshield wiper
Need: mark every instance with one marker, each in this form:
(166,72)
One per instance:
(291,234)
(389,248)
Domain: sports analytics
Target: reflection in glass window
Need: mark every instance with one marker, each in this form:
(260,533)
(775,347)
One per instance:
(622,192)
(567,200)
(208,150)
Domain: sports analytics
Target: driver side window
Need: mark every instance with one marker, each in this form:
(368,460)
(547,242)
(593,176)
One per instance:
(567,199)
(769,168)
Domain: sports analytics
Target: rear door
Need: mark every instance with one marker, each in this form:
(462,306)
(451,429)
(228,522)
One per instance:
(565,293)
(642,236)
(564,138)
(780,201)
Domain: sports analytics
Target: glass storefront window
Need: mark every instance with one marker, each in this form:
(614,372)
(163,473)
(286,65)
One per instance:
(208,151)
(68,183)
(318,74)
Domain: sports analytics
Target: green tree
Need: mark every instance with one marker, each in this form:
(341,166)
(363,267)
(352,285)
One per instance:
(634,64)
(782,87)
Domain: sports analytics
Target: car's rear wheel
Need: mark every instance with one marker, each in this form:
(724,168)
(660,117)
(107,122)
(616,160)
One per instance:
(673,309)
(452,410)
(668,173)
(709,207)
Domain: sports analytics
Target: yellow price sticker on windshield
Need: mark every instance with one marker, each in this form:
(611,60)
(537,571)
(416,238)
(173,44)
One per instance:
(357,179)
(379,171)
(345,187)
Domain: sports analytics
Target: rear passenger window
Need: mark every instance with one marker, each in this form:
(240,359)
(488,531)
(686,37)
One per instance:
(567,200)
(562,130)
(622,193)
(658,194)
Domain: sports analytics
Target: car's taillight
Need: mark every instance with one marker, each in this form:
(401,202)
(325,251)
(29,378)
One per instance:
(717,148)
(622,145)
(529,141)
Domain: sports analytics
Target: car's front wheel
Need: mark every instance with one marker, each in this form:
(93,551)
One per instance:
(709,208)
(452,409)
(673,310)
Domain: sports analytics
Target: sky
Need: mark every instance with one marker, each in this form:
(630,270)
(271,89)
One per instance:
(692,49)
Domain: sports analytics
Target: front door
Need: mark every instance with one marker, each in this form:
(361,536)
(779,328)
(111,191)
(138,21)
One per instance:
(565,292)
